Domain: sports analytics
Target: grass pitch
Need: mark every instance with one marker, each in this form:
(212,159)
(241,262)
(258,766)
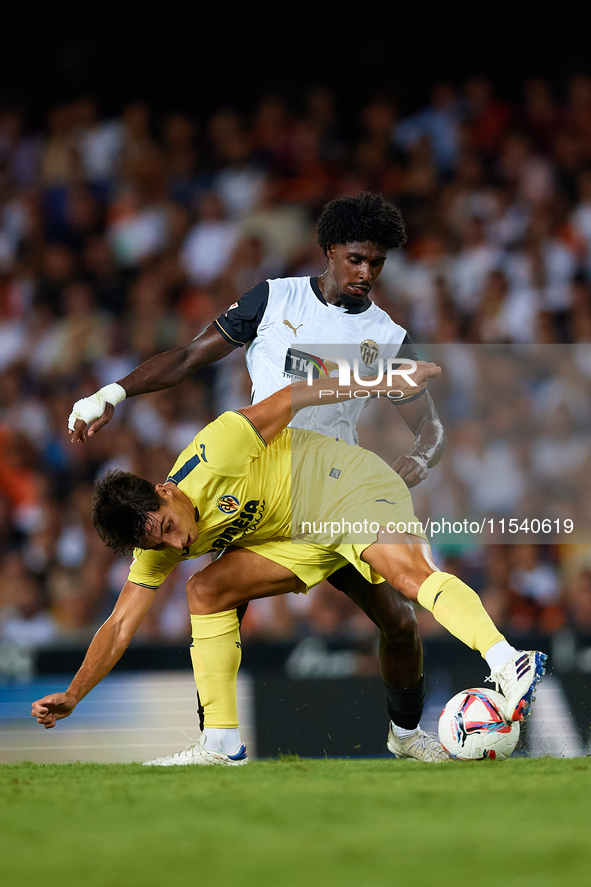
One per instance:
(297,823)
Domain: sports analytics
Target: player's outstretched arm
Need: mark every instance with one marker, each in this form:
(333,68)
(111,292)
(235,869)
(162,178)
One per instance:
(106,649)
(273,414)
(164,370)
(423,420)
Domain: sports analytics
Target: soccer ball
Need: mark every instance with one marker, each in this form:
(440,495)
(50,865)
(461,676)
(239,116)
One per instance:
(473,727)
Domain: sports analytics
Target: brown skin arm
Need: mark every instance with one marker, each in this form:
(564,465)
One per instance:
(421,417)
(105,650)
(273,414)
(163,371)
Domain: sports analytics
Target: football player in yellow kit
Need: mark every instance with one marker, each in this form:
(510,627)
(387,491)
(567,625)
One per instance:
(250,485)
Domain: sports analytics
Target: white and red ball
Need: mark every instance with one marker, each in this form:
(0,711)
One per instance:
(473,726)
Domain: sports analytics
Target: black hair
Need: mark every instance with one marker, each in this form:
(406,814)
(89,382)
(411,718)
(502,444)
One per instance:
(121,504)
(366,217)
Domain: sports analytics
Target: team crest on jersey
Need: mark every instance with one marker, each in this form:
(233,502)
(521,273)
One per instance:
(228,504)
(369,351)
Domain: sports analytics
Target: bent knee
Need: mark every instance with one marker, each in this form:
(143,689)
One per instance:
(394,613)
(402,623)
(407,621)
(203,595)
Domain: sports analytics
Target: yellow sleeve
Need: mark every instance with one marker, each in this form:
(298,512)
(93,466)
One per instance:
(150,568)
(228,445)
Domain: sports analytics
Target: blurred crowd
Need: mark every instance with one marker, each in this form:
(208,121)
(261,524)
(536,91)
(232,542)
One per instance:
(123,236)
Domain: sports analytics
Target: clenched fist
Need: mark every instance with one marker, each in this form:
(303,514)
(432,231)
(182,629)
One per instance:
(53,708)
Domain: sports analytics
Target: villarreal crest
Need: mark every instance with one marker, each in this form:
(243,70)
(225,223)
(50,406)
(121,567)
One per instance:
(228,504)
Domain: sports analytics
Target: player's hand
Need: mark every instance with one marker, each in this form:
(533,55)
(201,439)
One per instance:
(412,469)
(406,380)
(83,429)
(53,708)
(425,370)
(90,413)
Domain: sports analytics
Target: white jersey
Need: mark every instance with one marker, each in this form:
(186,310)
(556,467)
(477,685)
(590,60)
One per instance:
(287,325)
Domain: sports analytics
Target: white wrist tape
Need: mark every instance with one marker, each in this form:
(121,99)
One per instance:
(91,408)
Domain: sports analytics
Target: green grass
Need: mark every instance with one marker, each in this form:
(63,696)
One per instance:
(297,823)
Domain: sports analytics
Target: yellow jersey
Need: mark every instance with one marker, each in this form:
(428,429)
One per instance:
(295,489)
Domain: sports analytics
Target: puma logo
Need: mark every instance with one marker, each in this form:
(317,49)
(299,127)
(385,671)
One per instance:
(292,327)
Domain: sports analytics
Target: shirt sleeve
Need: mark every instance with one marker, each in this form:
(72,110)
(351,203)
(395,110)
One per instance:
(240,323)
(229,444)
(150,568)
(407,349)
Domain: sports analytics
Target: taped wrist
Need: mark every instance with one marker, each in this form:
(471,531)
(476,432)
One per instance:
(113,393)
(91,408)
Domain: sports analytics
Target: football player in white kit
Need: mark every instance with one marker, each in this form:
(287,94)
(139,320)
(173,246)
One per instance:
(282,322)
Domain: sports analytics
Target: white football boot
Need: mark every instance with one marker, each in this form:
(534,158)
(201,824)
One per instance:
(420,746)
(196,754)
(517,681)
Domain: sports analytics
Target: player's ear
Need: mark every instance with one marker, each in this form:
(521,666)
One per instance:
(163,490)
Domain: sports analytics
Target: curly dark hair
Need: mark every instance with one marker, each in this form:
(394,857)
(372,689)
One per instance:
(357,219)
(121,503)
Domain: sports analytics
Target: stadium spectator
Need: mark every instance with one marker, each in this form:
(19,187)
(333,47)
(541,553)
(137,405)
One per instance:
(487,117)
(99,144)
(535,598)
(541,115)
(472,266)
(439,122)
(281,227)
(210,243)
(24,621)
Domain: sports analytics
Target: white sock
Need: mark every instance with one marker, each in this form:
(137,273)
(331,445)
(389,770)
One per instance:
(226,741)
(499,654)
(402,733)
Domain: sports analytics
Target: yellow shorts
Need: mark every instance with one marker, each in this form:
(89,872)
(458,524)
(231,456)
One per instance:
(349,508)
(333,523)
(313,563)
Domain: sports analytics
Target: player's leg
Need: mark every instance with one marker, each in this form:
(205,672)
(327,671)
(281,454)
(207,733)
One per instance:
(401,650)
(401,662)
(406,560)
(213,595)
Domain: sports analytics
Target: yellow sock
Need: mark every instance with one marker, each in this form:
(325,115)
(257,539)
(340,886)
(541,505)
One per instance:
(460,610)
(216,653)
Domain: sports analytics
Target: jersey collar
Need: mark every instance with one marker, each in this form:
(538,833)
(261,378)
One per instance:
(316,289)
